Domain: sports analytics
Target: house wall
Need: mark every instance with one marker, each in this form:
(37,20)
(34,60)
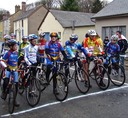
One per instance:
(19,30)
(1,31)
(50,24)
(35,20)
(111,22)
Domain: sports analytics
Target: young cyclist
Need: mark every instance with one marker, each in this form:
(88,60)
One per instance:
(41,46)
(5,44)
(94,44)
(112,49)
(52,50)
(11,59)
(72,48)
(21,49)
(30,54)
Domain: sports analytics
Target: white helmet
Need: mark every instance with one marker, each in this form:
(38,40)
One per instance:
(92,32)
(114,37)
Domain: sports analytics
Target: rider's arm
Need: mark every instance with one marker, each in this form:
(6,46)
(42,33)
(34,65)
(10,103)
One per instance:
(69,51)
(26,55)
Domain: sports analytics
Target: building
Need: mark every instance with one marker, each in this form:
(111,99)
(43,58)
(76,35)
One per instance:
(29,20)
(111,18)
(65,23)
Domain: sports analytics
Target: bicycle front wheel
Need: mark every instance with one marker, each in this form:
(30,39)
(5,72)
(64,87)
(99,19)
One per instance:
(118,76)
(61,87)
(12,98)
(82,81)
(102,77)
(33,92)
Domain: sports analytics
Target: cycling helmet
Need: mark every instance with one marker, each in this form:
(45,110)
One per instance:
(114,37)
(24,37)
(73,37)
(12,42)
(53,34)
(7,37)
(58,37)
(91,32)
(42,34)
(32,36)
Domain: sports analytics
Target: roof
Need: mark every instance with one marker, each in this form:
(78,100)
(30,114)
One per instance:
(114,8)
(66,18)
(26,14)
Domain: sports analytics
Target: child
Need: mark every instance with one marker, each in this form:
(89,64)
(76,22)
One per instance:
(11,59)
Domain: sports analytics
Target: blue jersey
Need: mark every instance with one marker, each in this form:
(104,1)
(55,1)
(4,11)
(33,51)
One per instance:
(72,49)
(113,48)
(11,57)
(54,48)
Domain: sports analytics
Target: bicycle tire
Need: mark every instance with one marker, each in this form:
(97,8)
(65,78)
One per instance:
(119,79)
(82,84)
(42,78)
(104,76)
(33,92)
(11,98)
(62,87)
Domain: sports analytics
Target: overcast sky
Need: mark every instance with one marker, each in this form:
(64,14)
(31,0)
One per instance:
(10,4)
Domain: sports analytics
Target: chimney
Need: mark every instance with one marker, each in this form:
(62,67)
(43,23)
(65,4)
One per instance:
(23,6)
(17,8)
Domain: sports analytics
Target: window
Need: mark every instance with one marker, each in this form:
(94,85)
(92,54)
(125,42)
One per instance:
(109,31)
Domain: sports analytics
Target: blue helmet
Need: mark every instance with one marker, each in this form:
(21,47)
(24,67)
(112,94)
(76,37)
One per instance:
(73,37)
(12,42)
(32,36)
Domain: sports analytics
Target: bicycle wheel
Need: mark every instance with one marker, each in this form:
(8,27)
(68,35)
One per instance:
(61,87)
(40,74)
(33,92)
(11,99)
(102,77)
(118,76)
(82,81)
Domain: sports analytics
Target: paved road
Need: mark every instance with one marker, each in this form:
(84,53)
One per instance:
(112,103)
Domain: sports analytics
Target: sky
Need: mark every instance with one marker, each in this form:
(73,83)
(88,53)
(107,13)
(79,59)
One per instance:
(9,5)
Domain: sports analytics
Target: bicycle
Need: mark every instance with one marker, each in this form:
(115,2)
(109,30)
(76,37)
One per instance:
(11,91)
(117,72)
(99,73)
(29,83)
(61,82)
(79,75)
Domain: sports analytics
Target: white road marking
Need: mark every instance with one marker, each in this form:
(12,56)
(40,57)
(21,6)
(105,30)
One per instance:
(68,99)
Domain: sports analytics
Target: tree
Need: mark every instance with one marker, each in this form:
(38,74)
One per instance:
(70,5)
(3,13)
(97,6)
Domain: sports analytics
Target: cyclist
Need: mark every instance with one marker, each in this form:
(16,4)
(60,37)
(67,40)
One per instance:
(112,49)
(41,46)
(5,44)
(94,44)
(72,49)
(30,52)
(11,59)
(52,50)
(21,49)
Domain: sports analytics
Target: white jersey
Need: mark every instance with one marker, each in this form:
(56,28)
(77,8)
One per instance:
(30,54)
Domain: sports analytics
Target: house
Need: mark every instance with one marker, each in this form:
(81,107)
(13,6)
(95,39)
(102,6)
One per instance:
(65,23)
(29,20)
(1,31)
(111,18)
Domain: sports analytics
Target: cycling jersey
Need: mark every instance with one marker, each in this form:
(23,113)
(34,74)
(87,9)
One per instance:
(30,55)
(12,59)
(72,49)
(21,48)
(41,47)
(94,46)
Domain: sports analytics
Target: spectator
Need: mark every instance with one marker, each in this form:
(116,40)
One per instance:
(122,42)
(106,40)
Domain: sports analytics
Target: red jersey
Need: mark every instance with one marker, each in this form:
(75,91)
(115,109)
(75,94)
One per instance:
(41,46)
